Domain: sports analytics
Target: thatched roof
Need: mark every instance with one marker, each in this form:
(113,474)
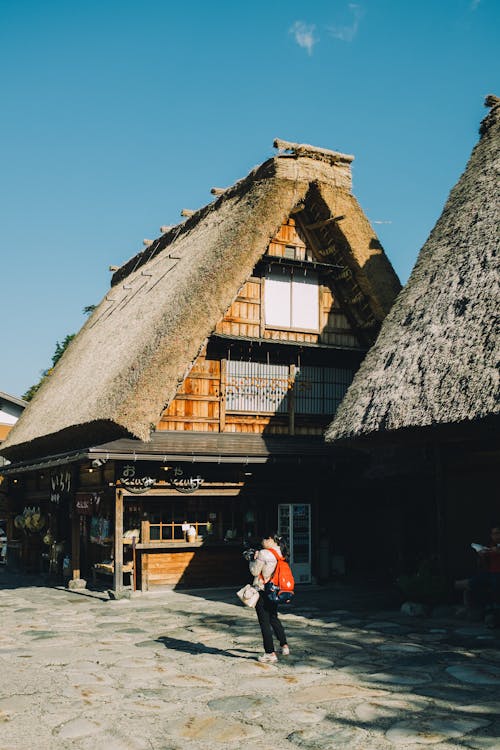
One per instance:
(126,363)
(435,360)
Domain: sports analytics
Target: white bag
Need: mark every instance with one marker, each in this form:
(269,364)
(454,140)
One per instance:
(248,595)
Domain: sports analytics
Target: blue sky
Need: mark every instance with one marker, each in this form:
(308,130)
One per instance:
(116,115)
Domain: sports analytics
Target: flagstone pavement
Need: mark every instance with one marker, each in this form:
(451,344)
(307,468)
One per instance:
(172,670)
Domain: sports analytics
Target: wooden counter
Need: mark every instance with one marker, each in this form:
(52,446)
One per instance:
(183,565)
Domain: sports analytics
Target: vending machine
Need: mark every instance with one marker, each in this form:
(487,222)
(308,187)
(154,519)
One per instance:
(294,524)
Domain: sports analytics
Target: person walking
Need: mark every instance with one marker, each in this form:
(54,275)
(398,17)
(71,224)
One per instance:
(262,568)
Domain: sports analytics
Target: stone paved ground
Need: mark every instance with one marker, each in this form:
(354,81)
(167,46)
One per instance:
(176,670)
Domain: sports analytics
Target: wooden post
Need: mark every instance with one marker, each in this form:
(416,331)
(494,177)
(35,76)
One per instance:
(134,565)
(222,395)
(440,499)
(75,544)
(118,557)
(291,402)
(262,318)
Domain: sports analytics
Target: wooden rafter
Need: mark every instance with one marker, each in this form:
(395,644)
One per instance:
(342,284)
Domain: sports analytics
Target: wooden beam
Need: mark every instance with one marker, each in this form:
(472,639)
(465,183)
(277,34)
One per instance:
(134,564)
(291,402)
(218,191)
(440,507)
(338,290)
(118,557)
(262,316)
(222,403)
(187,212)
(324,222)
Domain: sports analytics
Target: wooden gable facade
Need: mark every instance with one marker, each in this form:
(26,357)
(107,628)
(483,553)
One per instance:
(214,366)
(259,376)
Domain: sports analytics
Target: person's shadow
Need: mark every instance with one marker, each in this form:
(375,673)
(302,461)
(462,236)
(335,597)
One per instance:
(176,644)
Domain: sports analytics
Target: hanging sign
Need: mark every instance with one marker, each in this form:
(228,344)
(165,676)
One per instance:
(135,482)
(87,503)
(60,485)
(183,483)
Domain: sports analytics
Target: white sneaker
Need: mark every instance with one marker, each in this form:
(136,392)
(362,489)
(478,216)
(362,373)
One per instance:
(268,658)
(285,650)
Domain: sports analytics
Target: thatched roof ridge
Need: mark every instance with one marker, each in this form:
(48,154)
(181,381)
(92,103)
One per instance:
(126,363)
(314,152)
(436,357)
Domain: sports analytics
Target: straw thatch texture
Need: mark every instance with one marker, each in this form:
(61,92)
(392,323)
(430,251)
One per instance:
(435,360)
(364,253)
(127,362)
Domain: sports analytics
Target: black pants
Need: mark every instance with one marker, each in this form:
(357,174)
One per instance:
(267,612)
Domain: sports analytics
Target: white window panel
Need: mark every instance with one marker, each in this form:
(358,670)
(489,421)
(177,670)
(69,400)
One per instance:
(277,299)
(292,300)
(305,302)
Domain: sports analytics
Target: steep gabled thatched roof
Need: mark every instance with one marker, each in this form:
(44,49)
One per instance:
(436,357)
(128,360)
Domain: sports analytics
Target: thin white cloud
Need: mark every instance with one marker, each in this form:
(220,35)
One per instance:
(304,35)
(475,4)
(348,31)
(381,221)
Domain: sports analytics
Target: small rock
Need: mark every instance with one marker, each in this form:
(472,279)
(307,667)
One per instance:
(77,583)
(119,595)
(413,609)
(77,728)
(444,611)
(330,736)
(431,731)
(478,674)
(215,729)
(233,703)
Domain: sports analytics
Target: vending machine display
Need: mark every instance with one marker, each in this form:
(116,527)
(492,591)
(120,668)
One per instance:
(294,523)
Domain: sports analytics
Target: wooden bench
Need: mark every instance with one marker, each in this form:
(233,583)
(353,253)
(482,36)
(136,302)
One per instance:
(108,569)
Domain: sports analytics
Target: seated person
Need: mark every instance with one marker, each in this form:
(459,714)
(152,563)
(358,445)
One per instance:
(3,545)
(484,587)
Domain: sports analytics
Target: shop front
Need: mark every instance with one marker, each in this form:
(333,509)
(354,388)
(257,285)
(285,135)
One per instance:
(191,529)
(118,517)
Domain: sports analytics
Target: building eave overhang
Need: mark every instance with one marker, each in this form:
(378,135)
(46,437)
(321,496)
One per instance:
(191,448)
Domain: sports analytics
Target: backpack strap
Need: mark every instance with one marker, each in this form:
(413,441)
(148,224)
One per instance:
(278,558)
(275,553)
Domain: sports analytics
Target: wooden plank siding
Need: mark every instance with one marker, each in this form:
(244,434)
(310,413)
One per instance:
(201,404)
(286,239)
(243,317)
(219,566)
(197,403)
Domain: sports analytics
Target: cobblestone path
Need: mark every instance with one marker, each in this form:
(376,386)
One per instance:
(176,670)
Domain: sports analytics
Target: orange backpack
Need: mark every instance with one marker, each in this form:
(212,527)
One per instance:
(280,587)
